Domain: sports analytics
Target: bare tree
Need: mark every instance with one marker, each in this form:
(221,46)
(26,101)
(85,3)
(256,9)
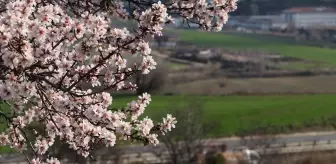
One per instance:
(185,142)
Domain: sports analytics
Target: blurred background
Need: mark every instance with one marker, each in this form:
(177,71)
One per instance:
(270,71)
(272,67)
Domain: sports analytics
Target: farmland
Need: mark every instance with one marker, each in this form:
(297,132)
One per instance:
(255,86)
(325,56)
(235,114)
(265,114)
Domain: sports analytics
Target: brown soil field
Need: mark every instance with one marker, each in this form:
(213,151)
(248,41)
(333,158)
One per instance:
(278,85)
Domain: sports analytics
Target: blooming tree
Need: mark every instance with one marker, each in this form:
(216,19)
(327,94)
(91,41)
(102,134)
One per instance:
(50,48)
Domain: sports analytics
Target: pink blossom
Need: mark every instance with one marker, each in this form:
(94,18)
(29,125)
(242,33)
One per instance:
(3,139)
(145,126)
(168,123)
(144,49)
(36,161)
(60,69)
(41,146)
(53,161)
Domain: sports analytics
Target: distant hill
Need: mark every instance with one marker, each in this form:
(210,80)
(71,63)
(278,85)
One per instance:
(263,7)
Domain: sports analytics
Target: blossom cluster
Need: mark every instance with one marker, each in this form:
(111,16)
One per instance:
(210,15)
(59,67)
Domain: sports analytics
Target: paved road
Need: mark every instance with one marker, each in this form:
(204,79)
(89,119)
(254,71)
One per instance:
(281,139)
(237,142)
(308,137)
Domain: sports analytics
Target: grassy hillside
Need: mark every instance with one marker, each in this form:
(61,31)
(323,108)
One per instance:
(250,42)
(237,113)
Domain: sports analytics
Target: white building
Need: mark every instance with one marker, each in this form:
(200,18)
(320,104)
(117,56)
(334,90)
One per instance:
(310,17)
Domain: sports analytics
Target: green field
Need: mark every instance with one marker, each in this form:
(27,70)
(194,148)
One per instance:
(282,47)
(237,113)
(234,114)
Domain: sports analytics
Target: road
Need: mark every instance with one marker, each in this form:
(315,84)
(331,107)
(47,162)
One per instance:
(280,139)
(234,142)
